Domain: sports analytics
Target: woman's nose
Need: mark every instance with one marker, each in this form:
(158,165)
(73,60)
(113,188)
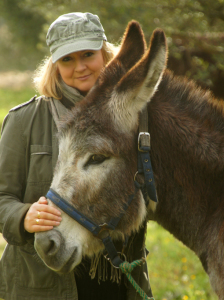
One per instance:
(79,65)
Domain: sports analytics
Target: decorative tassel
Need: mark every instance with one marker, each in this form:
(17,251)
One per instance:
(93,266)
(100,265)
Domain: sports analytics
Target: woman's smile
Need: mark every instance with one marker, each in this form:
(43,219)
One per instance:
(84,77)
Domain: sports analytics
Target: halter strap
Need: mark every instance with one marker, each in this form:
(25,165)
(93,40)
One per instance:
(144,160)
(72,212)
(100,231)
(83,220)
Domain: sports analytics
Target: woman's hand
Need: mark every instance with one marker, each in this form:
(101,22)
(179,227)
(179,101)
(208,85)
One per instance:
(41,217)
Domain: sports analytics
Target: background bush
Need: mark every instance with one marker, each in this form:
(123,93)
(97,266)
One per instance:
(194,29)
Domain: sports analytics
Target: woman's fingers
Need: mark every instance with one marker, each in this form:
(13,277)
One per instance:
(44,224)
(41,217)
(44,211)
(48,215)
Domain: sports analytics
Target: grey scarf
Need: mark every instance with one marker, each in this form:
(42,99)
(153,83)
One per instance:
(70,93)
(58,109)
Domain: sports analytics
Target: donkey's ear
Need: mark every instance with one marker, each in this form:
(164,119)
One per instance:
(133,46)
(138,85)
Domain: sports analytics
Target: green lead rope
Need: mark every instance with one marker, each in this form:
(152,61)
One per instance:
(127,268)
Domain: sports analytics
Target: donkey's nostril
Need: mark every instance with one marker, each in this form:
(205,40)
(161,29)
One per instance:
(48,244)
(52,248)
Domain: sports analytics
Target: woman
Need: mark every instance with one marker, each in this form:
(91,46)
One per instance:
(29,151)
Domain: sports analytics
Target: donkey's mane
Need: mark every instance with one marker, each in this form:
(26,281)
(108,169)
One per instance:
(183,91)
(194,119)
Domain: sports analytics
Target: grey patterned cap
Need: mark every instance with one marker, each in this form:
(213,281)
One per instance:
(75,32)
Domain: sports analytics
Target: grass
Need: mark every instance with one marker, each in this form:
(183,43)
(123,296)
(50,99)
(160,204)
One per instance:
(175,272)
(2,246)
(10,98)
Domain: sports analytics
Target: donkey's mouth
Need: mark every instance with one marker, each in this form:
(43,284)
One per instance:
(70,264)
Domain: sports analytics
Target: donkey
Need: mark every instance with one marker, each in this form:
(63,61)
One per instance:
(98,159)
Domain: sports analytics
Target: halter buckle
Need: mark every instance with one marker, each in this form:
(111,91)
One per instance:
(104,231)
(143,141)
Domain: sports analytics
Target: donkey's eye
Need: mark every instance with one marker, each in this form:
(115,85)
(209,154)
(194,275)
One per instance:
(96,159)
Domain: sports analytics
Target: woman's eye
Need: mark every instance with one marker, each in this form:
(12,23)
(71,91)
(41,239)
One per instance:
(96,159)
(88,54)
(66,58)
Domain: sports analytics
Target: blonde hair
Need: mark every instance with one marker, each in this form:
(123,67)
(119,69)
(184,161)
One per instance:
(47,78)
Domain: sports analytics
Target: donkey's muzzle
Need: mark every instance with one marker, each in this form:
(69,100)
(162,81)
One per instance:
(50,246)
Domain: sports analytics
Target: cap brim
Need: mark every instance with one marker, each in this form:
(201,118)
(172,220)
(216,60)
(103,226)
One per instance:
(76,46)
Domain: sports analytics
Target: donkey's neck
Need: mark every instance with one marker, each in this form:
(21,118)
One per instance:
(187,141)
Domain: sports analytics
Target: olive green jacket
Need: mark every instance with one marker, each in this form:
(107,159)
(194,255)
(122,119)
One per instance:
(28,154)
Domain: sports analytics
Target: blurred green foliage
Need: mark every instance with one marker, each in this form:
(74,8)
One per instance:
(175,272)
(194,30)
(11,97)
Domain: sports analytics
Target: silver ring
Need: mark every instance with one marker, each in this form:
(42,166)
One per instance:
(120,254)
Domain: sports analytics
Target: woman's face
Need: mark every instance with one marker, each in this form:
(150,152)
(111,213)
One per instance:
(81,69)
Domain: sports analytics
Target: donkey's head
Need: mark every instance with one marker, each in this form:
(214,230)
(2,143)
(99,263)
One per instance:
(98,152)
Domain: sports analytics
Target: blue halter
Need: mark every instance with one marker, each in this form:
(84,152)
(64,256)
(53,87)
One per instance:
(94,228)
(102,231)
(99,231)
